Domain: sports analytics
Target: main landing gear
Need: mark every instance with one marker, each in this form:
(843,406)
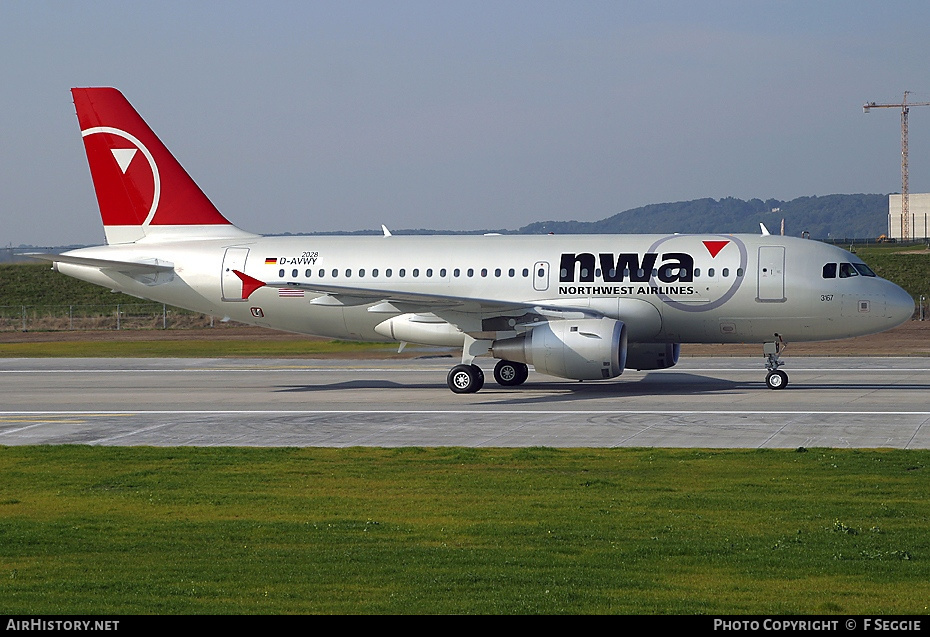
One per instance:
(775,379)
(510,374)
(467,379)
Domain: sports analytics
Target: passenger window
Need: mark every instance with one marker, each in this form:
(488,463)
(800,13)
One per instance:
(484,272)
(281,273)
(387,273)
(348,273)
(526,272)
(471,272)
(497,272)
(739,271)
(710,272)
(374,272)
(335,273)
(697,272)
(829,271)
(294,273)
(511,272)
(402,272)
(442,273)
(456,272)
(726,272)
(308,273)
(416,272)
(429,272)
(361,272)
(322,273)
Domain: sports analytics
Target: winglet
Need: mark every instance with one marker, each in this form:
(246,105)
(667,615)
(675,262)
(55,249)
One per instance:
(765,231)
(249,284)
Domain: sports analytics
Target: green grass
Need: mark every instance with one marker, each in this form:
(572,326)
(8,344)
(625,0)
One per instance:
(28,284)
(909,267)
(194,348)
(149,530)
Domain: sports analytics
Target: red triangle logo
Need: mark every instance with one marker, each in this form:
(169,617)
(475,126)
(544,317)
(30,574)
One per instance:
(249,284)
(714,247)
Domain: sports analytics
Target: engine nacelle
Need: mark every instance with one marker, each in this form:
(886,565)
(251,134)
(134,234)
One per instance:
(641,356)
(580,349)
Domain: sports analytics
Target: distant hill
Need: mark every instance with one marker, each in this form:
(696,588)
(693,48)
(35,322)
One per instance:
(830,216)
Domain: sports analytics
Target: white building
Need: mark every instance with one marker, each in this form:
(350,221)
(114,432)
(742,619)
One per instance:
(918,205)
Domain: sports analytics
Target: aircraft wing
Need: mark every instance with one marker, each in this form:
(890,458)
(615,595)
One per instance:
(470,314)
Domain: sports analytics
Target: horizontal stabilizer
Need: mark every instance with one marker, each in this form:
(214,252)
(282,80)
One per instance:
(144,266)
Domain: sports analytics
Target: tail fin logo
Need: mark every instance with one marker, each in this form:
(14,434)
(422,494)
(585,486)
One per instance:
(123,157)
(110,150)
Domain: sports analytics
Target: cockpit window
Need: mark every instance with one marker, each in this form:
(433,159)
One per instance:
(863,269)
(847,270)
(829,271)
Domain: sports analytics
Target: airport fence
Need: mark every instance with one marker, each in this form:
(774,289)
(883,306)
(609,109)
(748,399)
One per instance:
(872,242)
(121,316)
(157,316)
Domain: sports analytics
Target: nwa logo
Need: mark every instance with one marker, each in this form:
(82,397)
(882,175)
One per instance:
(674,267)
(667,271)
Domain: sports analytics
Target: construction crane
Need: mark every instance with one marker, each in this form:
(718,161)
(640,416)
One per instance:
(905,208)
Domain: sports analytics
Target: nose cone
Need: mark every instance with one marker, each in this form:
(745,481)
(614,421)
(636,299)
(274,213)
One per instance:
(899,306)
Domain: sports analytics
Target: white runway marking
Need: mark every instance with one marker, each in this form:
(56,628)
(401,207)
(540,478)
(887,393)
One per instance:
(419,370)
(463,412)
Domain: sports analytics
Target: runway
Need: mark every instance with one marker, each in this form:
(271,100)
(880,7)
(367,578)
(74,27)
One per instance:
(703,402)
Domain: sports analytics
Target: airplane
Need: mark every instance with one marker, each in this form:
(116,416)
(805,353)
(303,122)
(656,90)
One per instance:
(581,307)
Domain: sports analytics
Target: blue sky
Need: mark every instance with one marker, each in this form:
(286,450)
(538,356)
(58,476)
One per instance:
(319,116)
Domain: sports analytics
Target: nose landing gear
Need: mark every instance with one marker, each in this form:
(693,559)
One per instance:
(775,379)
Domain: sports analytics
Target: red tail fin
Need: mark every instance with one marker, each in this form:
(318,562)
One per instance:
(141,188)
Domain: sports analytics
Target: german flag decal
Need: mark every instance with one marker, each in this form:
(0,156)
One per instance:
(271,260)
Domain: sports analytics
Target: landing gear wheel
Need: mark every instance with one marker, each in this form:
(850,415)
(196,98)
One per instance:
(465,379)
(510,374)
(777,379)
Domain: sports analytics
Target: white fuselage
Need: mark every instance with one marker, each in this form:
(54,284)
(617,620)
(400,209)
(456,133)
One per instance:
(666,288)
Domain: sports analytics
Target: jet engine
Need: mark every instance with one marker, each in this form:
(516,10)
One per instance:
(641,356)
(580,349)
